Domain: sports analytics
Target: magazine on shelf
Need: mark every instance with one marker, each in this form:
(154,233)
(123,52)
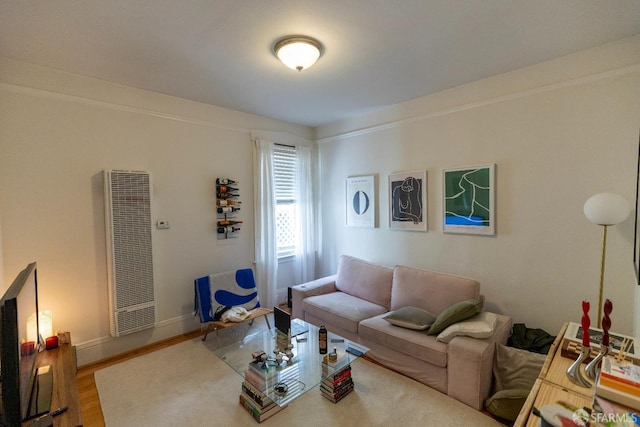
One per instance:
(619,381)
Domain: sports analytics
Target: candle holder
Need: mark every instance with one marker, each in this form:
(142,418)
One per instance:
(574,373)
(592,367)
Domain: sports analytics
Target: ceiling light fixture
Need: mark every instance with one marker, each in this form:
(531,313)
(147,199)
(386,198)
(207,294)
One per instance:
(298,52)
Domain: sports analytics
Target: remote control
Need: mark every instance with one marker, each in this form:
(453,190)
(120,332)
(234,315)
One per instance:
(59,411)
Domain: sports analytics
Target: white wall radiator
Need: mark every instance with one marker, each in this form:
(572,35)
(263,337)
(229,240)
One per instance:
(132,305)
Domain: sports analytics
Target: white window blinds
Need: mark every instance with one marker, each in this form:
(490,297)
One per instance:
(284,164)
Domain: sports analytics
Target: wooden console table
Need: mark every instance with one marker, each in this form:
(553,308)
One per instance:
(552,385)
(65,389)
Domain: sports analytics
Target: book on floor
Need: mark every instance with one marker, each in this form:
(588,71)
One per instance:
(336,396)
(335,389)
(260,398)
(256,413)
(336,380)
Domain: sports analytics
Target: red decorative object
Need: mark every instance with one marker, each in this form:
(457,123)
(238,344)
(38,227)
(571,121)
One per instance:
(586,322)
(606,322)
(27,348)
(51,342)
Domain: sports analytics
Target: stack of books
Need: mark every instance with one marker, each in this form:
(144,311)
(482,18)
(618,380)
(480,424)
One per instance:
(619,381)
(259,382)
(338,385)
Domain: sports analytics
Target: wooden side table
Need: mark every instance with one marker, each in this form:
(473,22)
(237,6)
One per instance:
(65,389)
(552,385)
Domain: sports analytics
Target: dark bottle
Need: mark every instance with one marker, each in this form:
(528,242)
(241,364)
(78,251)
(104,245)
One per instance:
(226,189)
(226,195)
(228,229)
(225,181)
(224,202)
(322,339)
(225,222)
(227,209)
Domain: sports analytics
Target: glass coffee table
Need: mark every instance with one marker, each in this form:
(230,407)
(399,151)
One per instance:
(283,382)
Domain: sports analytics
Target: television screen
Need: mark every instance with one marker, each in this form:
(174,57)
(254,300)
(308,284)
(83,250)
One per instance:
(19,344)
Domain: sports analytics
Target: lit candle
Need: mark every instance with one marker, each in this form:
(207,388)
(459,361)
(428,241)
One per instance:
(606,322)
(585,323)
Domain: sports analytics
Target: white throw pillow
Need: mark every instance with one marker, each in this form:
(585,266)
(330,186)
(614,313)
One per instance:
(479,326)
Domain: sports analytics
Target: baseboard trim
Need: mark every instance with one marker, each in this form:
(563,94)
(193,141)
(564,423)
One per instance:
(105,347)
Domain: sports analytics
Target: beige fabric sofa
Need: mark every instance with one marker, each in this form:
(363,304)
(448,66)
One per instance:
(353,303)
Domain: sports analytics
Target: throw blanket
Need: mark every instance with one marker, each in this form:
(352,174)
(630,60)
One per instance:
(232,288)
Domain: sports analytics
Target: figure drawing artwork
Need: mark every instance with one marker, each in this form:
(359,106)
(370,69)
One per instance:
(469,205)
(408,201)
(360,201)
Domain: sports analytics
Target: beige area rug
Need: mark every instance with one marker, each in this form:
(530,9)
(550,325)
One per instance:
(187,385)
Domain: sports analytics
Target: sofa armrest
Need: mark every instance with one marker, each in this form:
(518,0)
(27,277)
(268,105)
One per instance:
(470,364)
(321,286)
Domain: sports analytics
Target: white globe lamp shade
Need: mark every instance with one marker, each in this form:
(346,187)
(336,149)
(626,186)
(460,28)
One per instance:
(606,209)
(298,53)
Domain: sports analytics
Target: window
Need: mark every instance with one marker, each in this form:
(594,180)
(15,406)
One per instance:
(284,165)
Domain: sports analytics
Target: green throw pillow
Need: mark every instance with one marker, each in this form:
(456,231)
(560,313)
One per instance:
(411,318)
(507,404)
(456,313)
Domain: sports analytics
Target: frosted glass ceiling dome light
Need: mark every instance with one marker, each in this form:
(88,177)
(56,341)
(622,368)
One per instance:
(299,52)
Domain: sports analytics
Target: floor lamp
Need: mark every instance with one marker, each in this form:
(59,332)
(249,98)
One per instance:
(605,209)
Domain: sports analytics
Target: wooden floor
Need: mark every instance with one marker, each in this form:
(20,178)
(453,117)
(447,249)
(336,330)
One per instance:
(89,400)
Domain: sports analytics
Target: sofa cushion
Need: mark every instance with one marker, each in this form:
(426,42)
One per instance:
(479,326)
(456,313)
(411,318)
(369,281)
(341,309)
(515,368)
(410,342)
(429,290)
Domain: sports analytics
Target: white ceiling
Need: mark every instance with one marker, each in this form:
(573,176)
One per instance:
(377,52)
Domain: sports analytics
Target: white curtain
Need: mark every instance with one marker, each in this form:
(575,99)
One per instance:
(305,247)
(265,227)
(266,249)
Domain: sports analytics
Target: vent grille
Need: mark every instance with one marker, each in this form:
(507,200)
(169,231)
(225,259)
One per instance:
(136,319)
(128,215)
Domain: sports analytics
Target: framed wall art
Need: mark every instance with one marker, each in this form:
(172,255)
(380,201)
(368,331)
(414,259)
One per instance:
(408,201)
(636,233)
(469,200)
(361,201)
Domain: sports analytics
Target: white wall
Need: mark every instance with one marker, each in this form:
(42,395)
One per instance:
(58,132)
(558,132)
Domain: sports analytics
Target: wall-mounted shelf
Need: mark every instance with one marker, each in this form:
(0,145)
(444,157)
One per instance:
(227,208)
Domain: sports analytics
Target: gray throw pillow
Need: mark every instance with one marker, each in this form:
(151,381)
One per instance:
(456,313)
(411,318)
